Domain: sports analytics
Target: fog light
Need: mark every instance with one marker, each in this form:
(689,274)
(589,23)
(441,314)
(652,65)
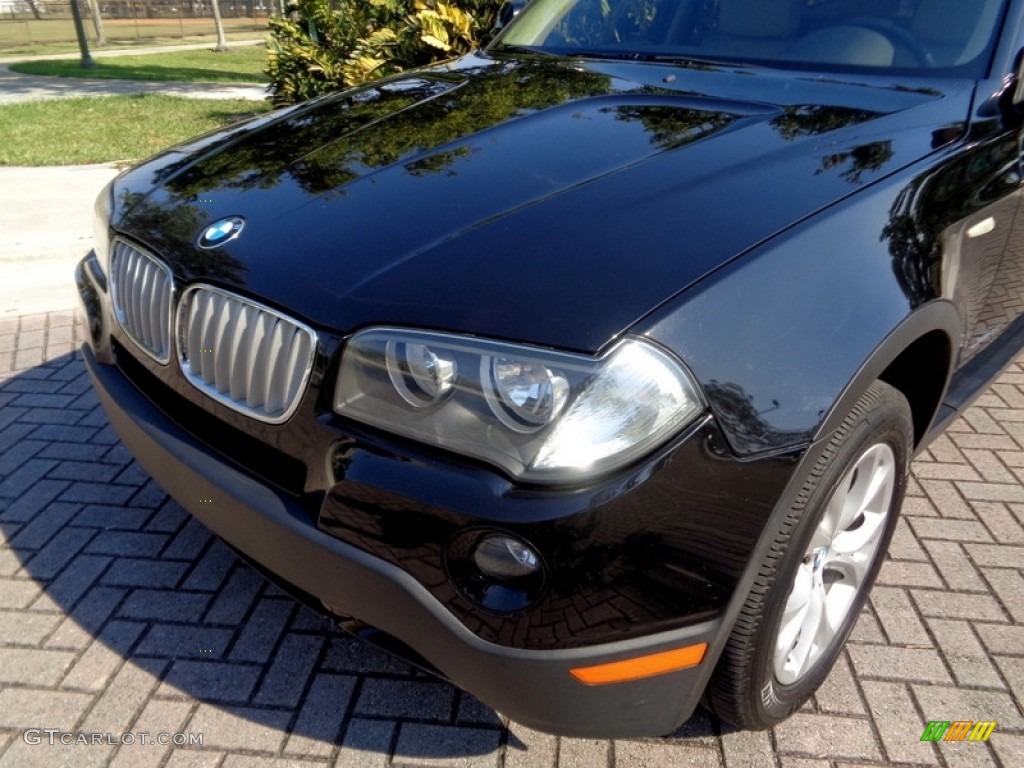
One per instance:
(504,558)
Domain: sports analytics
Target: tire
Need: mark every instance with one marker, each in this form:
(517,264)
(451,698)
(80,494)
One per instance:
(781,647)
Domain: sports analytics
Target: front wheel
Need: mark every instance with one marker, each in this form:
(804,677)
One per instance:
(816,576)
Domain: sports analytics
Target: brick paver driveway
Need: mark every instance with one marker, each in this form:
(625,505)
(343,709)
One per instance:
(118,615)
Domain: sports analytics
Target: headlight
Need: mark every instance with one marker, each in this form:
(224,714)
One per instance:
(538,414)
(101,225)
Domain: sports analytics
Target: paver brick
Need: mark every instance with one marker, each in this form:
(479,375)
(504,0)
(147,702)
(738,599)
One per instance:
(18,593)
(248,761)
(124,697)
(138,572)
(584,753)
(188,542)
(76,577)
(260,633)
(104,657)
(189,758)
(964,653)
(44,755)
(347,655)
(164,606)
(1010,748)
(25,476)
(367,744)
(128,543)
(950,605)
(1001,638)
(213,680)
(58,552)
(184,641)
(235,599)
(943,702)
(320,719)
(838,693)
(907,574)
(892,663)
(17,453)
(898,723)
(944,528)
(293,663)
(38,415)
(111,517)
(40,529)
(955,567)
(837,737)
(36,707)
(740,749)
(27,629)
(899,620)
(33,666)
(96,493)
(1009,588)
(996,555)
(472,711)
(904,545)
(158,717)
(258,730)
(1000,521)
(1013,668)
(442,746)
(947,499)
(413,699)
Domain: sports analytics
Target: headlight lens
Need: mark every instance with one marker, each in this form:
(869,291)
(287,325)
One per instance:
(101,226)
(525,396)
(420,375)
(541,415)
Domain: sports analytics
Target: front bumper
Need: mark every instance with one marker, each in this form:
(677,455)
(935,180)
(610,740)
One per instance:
(275,530)
(532,687)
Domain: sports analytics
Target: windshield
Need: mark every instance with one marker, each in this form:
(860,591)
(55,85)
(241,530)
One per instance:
(941,37)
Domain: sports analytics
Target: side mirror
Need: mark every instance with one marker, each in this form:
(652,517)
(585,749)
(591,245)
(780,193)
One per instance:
(508,11)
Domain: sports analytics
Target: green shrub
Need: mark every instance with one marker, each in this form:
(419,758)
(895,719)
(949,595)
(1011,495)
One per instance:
(323,45)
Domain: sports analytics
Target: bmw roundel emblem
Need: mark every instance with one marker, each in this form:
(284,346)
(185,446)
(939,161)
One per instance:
(221,231)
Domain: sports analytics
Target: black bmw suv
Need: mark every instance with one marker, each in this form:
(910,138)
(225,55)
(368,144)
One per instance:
(584,371)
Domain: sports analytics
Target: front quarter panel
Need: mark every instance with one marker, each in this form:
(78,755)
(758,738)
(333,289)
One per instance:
(776,337)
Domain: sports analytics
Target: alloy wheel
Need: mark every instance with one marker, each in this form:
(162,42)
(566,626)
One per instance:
(836,563)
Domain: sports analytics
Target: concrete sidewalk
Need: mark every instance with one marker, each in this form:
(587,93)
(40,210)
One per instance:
(104,53)
(45,228)
(46,213)
(16,87)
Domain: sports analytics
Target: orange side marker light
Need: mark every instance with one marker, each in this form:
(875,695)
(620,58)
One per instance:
(641,666)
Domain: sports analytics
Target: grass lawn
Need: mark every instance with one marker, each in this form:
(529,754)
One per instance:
(109,128)
(242,64)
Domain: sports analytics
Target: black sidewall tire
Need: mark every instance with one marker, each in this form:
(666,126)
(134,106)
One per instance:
(881,416)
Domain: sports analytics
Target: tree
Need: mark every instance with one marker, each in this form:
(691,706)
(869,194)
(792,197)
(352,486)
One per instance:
(222,41)
(34,6)
(323,45)
(97,22)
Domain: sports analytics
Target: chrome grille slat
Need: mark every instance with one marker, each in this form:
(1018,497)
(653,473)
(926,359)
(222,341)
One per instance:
(242,354)
(141,290)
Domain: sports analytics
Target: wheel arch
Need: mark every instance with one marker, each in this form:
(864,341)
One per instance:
(917,358)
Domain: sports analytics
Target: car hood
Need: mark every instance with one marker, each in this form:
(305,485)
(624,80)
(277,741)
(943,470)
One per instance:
(546,201)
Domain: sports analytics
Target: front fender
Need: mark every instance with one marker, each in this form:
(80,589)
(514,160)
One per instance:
(783,337)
